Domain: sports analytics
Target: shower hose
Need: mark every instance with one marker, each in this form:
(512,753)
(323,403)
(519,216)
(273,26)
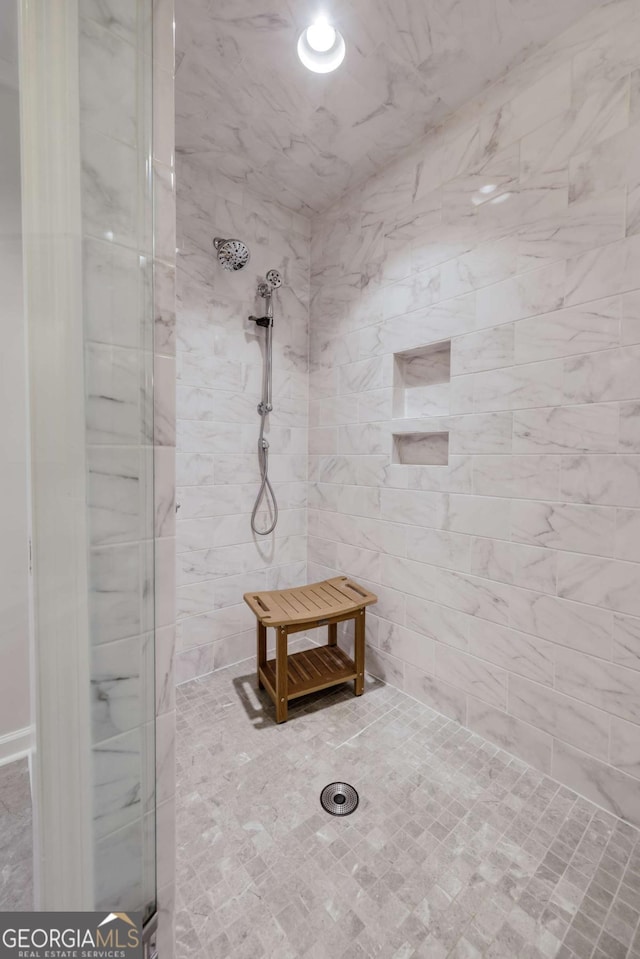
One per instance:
(266,489)
(264,408)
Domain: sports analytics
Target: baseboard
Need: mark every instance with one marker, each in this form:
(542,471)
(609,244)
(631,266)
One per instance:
(16,745)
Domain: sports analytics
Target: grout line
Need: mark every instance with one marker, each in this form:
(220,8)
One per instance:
(372,723)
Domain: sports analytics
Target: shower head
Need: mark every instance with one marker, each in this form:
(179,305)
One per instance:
(274,279)
(232,254)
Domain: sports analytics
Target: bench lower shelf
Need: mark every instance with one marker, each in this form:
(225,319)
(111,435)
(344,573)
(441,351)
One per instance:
(311,670)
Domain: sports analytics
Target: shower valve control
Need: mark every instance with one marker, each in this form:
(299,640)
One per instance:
(262,320)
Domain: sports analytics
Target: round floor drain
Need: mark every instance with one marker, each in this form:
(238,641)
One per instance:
(339,799)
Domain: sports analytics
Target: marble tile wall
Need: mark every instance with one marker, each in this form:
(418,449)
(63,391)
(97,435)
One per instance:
(164,391)
(508,579)
(127,116)
(219,382)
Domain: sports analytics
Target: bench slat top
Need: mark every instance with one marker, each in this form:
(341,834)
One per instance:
(305,604)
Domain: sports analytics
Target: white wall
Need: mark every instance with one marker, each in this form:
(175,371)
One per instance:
(219,374)
(509,580)
(14,646)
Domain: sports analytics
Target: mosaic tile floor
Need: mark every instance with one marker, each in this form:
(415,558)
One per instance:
(16,840)
(456,850)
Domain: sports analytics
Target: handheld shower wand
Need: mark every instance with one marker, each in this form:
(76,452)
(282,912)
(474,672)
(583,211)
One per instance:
(265,406)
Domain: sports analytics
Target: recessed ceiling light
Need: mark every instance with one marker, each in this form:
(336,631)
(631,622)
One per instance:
(489,188)
(320,47)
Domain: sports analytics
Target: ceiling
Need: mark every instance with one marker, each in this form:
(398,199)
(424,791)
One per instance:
(244,100)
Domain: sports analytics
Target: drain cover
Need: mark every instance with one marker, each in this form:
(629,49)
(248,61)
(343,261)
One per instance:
(339,799)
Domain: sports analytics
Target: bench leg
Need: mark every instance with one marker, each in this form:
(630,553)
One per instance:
(333,634)
(262,650)
(359,652)
(281,675)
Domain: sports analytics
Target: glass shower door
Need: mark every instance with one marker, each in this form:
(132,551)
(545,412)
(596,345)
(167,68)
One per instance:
(86,106)
(115,84)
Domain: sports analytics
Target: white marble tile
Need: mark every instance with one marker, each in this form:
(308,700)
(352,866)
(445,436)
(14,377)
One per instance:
(627,535)
(596,116)
(510,733)
(462,592)
(439,548)
(116,396)
(362,563)
(422,508)
(411,647)
(164,207)
(629,435)
(191,663)
(626,641)
(165,757)
(118,881)
(566,526)
(486,682)
(116,579)
(625,746)
(606,786)
(436,693)
(385,667)
(107,81)
(414,293)
(560,621)
(607,583)
(509,649)
(109,209)
(560,716)
(165,581)
(530,109)
(117,787)
(122,683)
(165,681)
(120,494)
(528,566)
(538,291)
(116,294)
(164,417)
(630,332)
(115,15)
(481,433)
(603,272)
(164,465)
(488,350)
(523,477)
(486,264)
(439,622)
(596,326)
(599,683)
(583,226)
(602,480)
(606,165)
(478,515)
(164,304)
(519,387)
(565,429)
(602,376)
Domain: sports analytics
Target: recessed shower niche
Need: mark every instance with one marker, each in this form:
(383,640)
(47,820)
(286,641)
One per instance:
(421,383)
(421,379)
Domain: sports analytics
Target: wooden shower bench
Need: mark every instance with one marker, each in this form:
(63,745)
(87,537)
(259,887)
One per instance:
(293,610)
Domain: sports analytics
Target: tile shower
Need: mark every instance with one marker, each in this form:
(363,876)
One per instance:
(456,408)
(502,536)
